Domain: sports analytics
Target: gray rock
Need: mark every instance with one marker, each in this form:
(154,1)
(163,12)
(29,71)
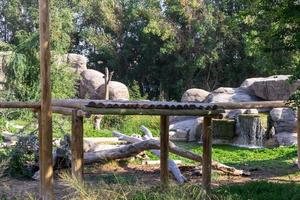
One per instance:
(117,91)
(226,94)
(90,81)
(271,143)
(286,139)
(233,114)
(77,62)
(271,88)
(4,59)
(284,120)
(251,111)
(175,119)
(194,95)
(223,129)
(192,128)
(179,135)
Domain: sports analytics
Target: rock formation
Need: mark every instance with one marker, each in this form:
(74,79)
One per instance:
(248,126)
(117,91)
(90,81)
(271,88)
(194,95)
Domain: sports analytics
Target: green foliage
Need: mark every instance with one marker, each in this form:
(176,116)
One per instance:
(125,124)
(135,92)
(22,157)
(260,190)
(23,71)
(277,160)
(164,47)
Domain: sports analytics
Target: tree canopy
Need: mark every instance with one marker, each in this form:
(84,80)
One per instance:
(164,46)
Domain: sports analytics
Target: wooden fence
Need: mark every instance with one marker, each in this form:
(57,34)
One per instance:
(78,109)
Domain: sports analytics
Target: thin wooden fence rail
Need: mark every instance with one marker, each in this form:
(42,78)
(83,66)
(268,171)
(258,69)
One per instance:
(19,104)
(108,104)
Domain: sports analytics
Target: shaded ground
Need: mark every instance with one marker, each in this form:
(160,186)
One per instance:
(274,165)
(138,175)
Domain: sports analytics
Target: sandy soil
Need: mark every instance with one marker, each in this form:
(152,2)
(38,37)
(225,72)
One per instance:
(138,174)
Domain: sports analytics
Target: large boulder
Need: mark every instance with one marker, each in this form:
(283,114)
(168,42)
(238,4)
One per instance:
(286,139)
(284,120)
(271,88)
(227,94)
(194,95)
(90,81)
(76,62)
(186,130)
(117,91)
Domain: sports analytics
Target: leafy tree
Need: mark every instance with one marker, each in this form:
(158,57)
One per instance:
(23,71)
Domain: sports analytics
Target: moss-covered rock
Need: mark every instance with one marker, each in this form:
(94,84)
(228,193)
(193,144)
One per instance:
(223,129)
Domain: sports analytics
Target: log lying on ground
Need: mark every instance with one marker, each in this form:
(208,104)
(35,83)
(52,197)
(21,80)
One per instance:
(215,165)
(139,146)
(187,154)
(125,151)
(136,148)
(171,164)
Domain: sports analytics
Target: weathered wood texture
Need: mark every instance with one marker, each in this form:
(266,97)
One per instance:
(133,111)
(108,77)
(125,151)
(207,151)
(148,135)
(164,149)
(77,146)
(19,104)
(46,190)
(298,136)
(254,104)
(69,111)
(80,103)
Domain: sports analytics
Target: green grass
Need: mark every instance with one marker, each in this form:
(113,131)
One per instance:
(116,189)
(260,190)
(279,159)
(127,125)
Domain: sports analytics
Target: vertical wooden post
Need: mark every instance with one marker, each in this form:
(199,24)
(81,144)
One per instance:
(46,190)
(207,154)
(298,135)
(164,149)
(77,146)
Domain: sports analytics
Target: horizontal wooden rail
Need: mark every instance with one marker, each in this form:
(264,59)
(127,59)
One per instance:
(253,105)
(81,104)
(65,106)
(15,104)
(70,103)
(132,111)
(69,111)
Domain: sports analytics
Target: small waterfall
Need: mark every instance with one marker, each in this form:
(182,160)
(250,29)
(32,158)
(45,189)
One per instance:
(249,130)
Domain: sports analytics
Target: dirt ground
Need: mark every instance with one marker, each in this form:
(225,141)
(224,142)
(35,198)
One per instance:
(134,174)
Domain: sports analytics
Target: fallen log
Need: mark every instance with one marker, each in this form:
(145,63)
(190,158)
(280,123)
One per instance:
(187,154)
(151,144)
(125,151)
(171,164)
